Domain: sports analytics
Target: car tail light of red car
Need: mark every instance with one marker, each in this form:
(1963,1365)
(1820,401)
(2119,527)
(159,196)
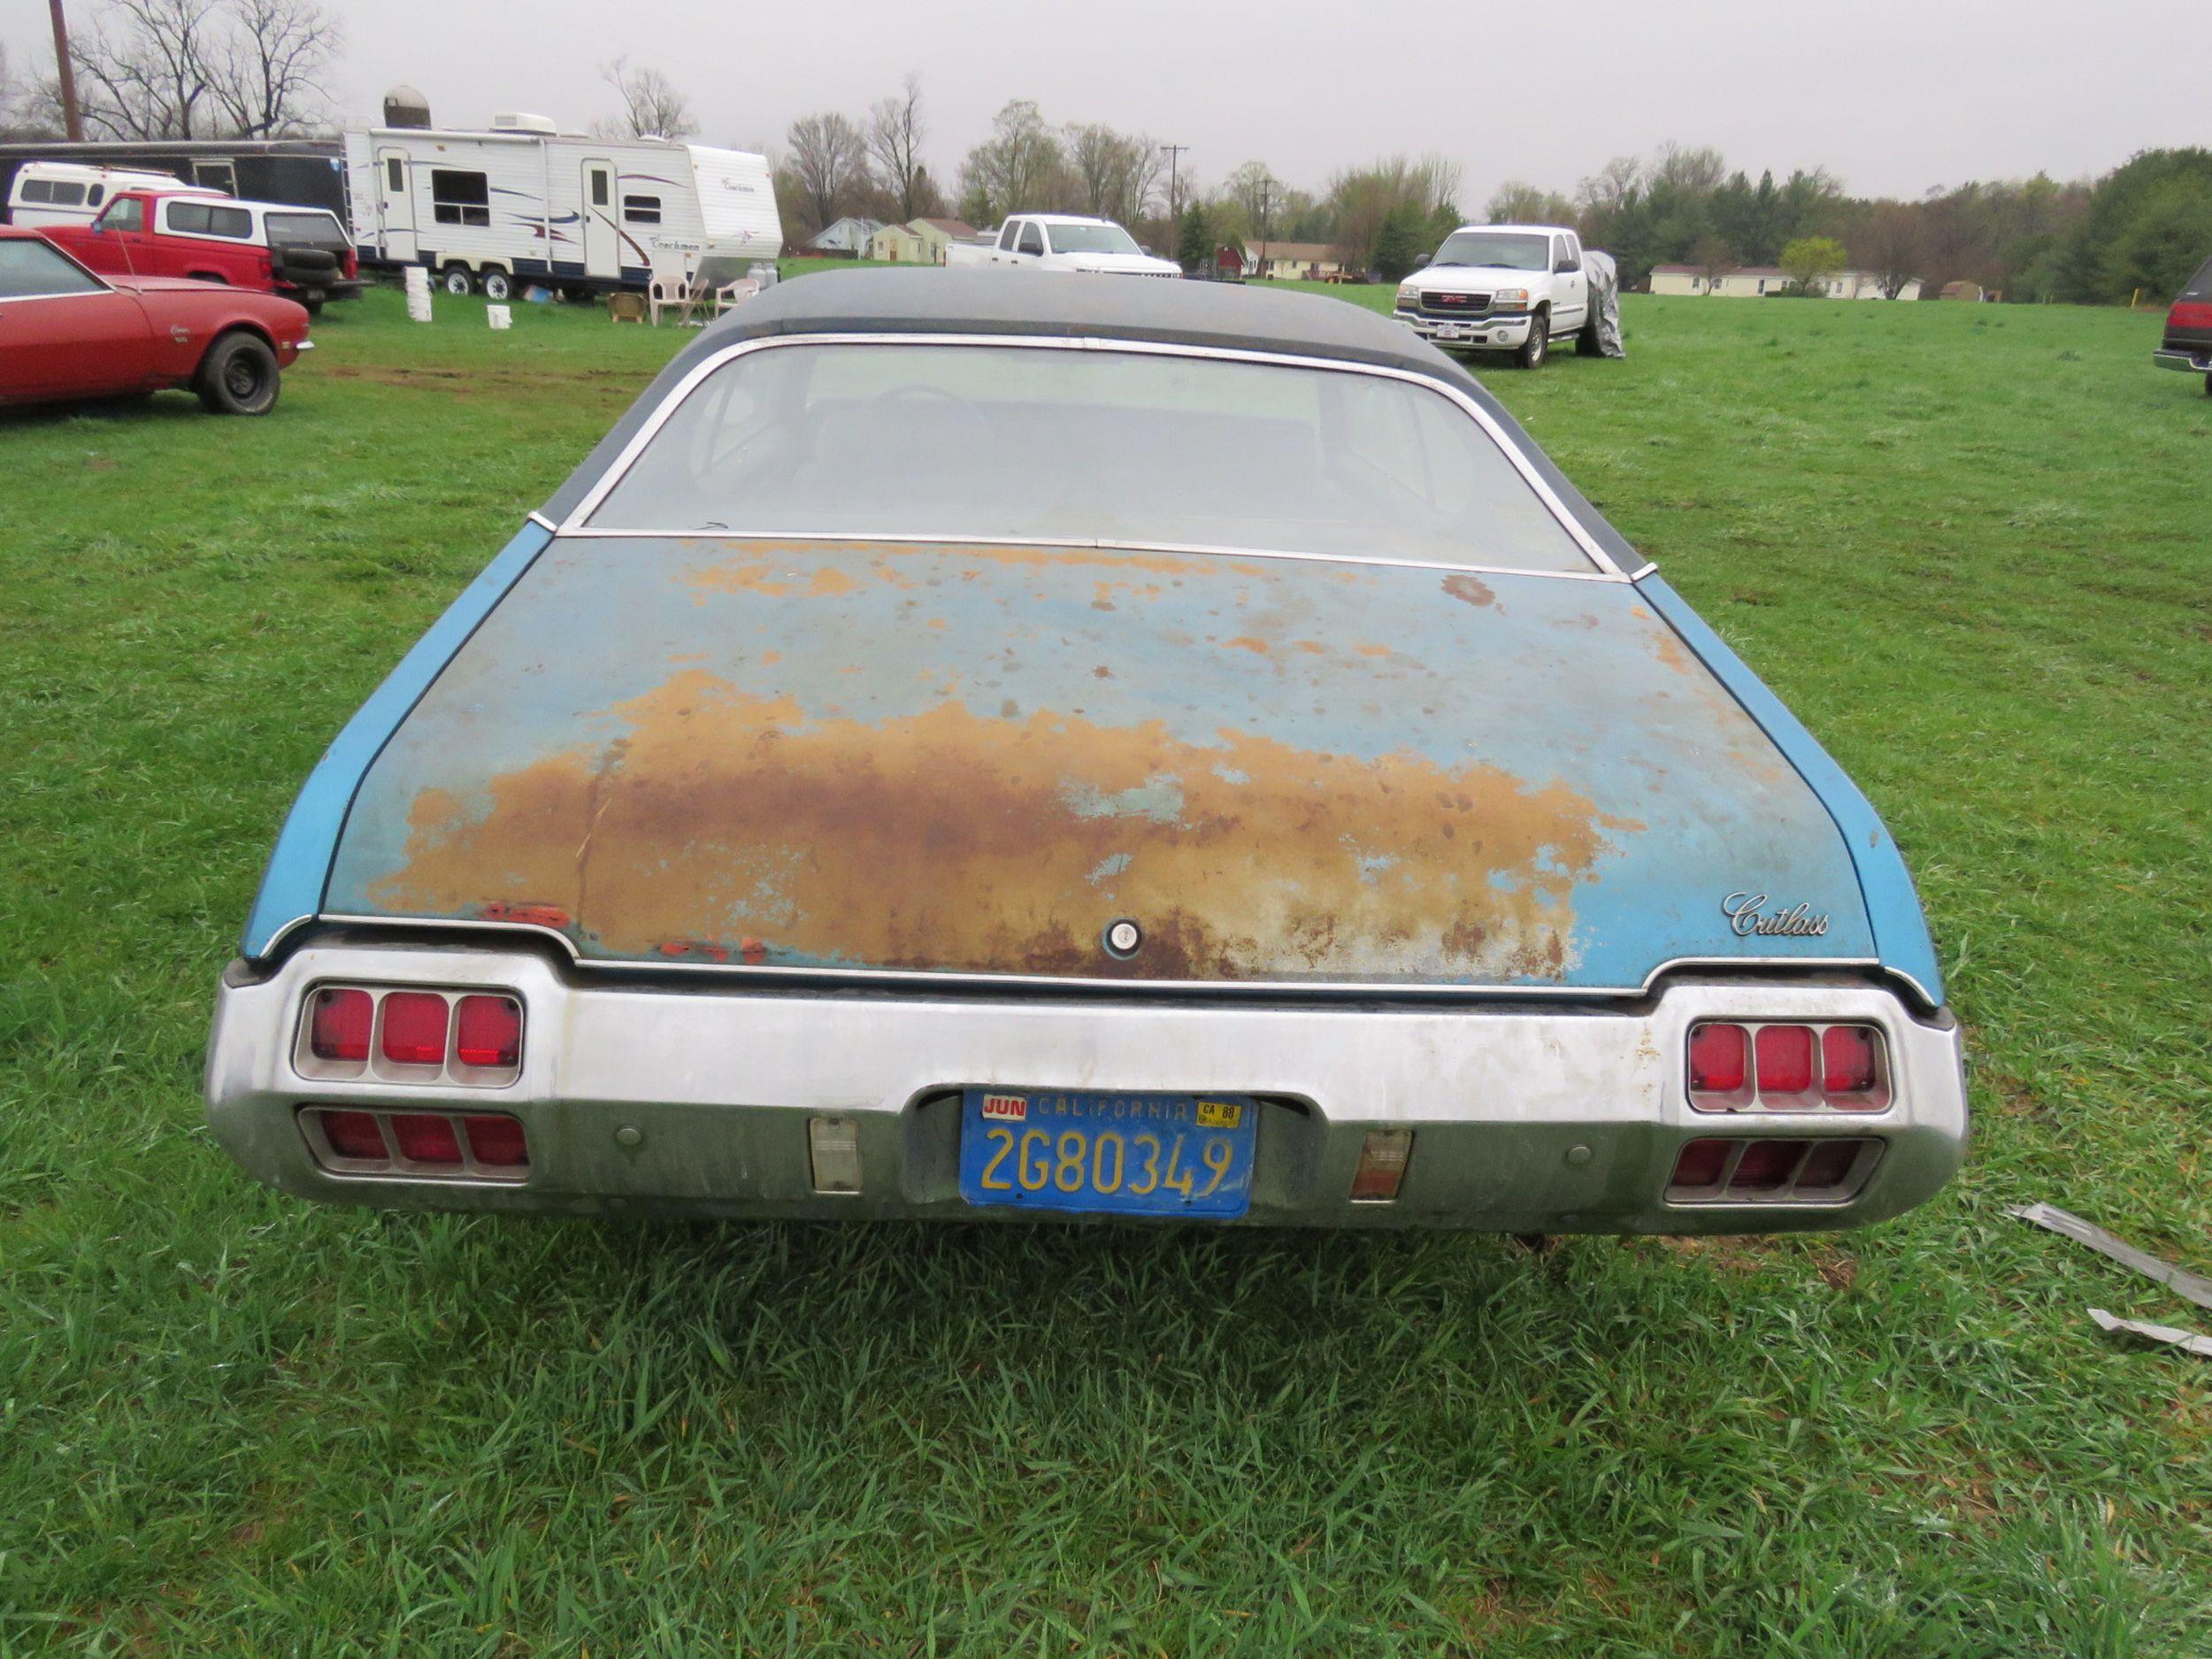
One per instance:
(408,1035)
(1786,1066)
(432,1145)
(1770,1171)
(2190,314)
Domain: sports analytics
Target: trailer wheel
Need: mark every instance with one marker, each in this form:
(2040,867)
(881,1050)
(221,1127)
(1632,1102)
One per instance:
(459,282)
(497,285)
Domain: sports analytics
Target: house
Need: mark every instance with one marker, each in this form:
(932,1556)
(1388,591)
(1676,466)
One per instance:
(847,236)
(1752,281)
(1311,261)
(918,241)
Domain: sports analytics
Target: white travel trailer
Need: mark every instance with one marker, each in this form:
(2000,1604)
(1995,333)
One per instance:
(526,202)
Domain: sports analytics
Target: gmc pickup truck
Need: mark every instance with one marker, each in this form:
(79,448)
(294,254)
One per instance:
(1500,288)
(302,253)
(1062,241)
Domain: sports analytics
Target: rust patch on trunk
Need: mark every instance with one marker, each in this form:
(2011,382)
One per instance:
(1465,587)
(949,839)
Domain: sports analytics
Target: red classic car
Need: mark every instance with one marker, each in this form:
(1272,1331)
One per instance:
(67,333)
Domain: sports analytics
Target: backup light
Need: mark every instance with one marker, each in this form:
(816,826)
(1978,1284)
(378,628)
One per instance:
(833,1148)
(1382,1158)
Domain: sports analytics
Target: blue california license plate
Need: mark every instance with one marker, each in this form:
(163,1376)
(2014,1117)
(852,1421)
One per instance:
(1125,1155)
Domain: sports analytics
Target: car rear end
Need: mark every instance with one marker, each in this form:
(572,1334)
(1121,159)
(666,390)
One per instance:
(2187,342)
(312,259)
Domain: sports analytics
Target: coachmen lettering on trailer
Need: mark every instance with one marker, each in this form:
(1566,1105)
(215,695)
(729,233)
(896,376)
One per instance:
(973,746)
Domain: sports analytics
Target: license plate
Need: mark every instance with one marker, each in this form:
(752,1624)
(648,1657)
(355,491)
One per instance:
(314,293)
(1451,331)
(1103,1153)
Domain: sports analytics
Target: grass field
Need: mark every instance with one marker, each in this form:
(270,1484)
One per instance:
(1969,545)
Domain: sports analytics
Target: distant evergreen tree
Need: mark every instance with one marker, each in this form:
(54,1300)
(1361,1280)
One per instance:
(1195,240)
(1398,244)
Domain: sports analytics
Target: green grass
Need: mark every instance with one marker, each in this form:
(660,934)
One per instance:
(1968,545)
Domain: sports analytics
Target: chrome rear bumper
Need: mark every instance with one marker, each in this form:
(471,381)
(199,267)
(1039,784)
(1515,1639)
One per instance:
(2194,360)
(650,1098)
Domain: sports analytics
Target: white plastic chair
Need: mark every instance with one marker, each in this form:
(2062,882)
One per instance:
(735,294)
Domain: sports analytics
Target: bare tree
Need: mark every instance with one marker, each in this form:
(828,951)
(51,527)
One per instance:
(1518,202)
(1115,174)
(652,105)
(828,163)
(204,68)
(1714,259)
(266,78)
(1258,193)
(1612,187)
(1696,173)
(1020,168)
(896,130)
(1889,244)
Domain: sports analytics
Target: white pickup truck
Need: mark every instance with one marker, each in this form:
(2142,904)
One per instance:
(1502,287)
(1062,242)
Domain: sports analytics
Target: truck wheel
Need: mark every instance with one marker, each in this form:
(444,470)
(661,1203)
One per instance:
(1586,341)
(459,282)
(1536,347)
(497,287)
(238,376)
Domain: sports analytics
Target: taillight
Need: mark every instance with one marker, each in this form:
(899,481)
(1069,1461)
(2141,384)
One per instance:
(1769,1170)
(1788,1067)
(1785,1059)
(1383,1157)
(488,1032)
(417,1145)
(1719,1056)
(414,1028)
(498,1141)
(339,1026)
(2190,314)
(354,1135)
(425,1137)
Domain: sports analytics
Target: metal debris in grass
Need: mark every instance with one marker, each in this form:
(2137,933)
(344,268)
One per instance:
(2173,1336)
(2178,1279)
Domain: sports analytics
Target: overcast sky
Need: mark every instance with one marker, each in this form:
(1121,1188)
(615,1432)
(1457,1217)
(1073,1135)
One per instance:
(1893,97)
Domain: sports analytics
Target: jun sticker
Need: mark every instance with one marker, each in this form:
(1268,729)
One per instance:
(1005,1109)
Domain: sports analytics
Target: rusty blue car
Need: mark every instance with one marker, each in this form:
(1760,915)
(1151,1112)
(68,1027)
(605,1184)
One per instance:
(972,748)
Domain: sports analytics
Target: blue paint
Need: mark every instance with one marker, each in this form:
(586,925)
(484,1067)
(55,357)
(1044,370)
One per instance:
(1556,683)
(292,886)
(1901,926)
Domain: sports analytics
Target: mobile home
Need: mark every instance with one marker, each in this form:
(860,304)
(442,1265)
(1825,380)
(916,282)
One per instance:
(526,203)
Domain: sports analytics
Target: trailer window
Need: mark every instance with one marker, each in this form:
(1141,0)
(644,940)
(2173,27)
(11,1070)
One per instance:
(58,192)
(394,174)
(460,198)
(641,210)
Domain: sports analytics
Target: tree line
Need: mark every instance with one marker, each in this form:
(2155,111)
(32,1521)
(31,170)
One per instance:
(162,69)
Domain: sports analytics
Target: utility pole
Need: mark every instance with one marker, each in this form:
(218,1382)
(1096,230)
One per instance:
(65,76)
(1174,154)
(1267,199)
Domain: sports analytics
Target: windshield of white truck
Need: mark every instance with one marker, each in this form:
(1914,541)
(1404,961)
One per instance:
(1120,447)
(1091,239)
(1507,250)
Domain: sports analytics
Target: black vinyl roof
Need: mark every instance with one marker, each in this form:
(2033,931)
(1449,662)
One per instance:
(932,299)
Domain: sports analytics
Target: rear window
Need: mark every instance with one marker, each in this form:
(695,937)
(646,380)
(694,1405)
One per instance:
(2199,285)
(304,230)
(33,268)
(1114,447)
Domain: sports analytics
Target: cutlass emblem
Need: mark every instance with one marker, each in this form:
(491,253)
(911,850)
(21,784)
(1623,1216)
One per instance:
(1747,915)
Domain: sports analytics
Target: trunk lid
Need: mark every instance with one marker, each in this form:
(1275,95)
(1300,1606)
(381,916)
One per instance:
(955,759)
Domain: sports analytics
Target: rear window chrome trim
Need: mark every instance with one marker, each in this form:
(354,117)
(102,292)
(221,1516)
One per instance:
(577,521)
(921,980)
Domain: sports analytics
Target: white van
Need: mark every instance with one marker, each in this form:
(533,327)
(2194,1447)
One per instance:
(69,193)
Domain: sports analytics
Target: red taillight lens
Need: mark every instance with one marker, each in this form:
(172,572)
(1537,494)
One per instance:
(1847,1059)
(354,1135)
(497,1141)
(1700,1163)
(1785,1059)
(1718,1055)
(339,1027)
(414,1028)
(425,1138)
(1765,1166)
(2189,314)
(489,1032)
(1828,1164)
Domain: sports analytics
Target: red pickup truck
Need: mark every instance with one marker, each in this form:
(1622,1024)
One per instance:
(302,253)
